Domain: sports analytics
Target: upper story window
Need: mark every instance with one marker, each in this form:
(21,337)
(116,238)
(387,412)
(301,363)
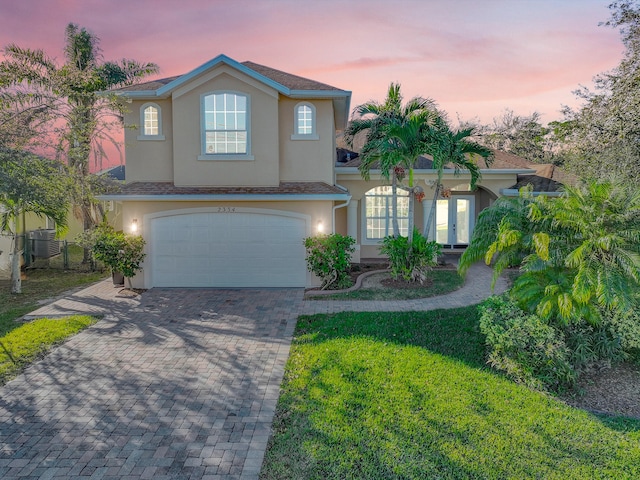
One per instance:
(304,122)
(225,126)
(150,122)
(379,211)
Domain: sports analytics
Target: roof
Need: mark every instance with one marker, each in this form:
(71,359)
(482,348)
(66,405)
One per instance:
(501,161)
(167,190)
(547,177)
(284,83)
(116,173)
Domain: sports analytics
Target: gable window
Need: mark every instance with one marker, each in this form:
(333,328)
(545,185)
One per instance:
(379,210)
(226,126)
(150,122)
(304,122)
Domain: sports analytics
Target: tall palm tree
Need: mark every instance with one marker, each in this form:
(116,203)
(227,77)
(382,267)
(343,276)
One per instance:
(78,84)
(406,139)
(375,118)
(457,149)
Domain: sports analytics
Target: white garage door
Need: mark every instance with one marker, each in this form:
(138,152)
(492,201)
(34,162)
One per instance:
(228,250)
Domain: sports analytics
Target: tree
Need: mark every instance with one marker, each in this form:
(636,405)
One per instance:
(605,132)
(374,119)
(524,136)
(580,252)
(448,147)
(86,112)
(30,184)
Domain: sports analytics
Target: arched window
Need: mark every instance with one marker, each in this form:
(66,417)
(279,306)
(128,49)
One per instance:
(150,122)
(304,122)
(225,120)
(379,210)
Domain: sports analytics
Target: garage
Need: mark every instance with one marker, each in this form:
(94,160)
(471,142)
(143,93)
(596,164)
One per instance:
(227,247)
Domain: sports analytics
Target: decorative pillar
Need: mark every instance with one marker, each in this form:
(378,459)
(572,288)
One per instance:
(352,228)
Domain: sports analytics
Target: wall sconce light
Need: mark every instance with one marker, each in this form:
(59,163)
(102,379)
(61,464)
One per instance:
(320,227)
(134,225)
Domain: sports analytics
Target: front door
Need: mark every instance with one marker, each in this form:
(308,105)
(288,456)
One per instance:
(454,220)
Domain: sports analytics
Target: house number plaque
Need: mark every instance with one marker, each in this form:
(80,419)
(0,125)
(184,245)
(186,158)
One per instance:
(226,209)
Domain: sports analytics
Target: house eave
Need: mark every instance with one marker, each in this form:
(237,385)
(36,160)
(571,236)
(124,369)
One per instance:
(514,192)
(226,197)
(484,171)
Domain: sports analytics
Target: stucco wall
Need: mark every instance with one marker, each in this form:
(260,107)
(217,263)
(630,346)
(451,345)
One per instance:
(262,170)
(149,160)
(307,160)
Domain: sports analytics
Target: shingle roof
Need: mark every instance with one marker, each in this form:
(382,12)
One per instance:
(501,161)
(285,188)
(293,82)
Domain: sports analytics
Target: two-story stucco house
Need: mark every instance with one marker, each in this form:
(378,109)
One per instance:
(233,164)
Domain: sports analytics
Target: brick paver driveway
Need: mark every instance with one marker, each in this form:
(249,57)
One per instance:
(179,384)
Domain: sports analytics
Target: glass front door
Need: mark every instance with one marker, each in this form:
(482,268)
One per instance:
(454,220)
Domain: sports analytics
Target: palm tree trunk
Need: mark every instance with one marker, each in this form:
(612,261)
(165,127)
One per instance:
(427,227)
(394,205)
(16,280)
(411,208)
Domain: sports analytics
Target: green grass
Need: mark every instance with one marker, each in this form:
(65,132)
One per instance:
(30,341)
(22,343)
(444,281)
(408,396)
(39,285)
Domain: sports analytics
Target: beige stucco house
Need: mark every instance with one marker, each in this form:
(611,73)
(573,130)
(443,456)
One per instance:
(233,164)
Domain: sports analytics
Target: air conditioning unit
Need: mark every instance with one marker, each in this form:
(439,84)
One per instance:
(44,243)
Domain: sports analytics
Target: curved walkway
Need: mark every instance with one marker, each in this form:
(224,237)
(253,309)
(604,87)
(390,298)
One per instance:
(175,383)
(476,288)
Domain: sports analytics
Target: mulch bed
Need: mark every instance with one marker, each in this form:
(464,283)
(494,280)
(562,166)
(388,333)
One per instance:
(614,391)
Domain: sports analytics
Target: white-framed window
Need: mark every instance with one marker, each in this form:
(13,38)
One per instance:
(150,122)
(378,206)
(225,126)
(304,118)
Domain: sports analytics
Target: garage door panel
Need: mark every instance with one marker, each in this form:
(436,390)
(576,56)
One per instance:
(228,250)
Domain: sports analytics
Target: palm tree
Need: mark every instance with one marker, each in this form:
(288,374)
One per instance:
(594,238)
(375,118)
(78,84)
(406,139)
(455,148)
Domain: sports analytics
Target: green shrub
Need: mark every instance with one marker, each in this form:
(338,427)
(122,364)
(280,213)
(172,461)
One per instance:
(524,347)
(625,326)
(329,258)
(411,263)
(121,252)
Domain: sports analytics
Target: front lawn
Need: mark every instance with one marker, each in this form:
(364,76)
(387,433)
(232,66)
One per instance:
(30,341)
(407,395)
(39,285)
(22,343)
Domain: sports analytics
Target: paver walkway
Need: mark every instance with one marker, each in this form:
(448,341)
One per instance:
(176,383)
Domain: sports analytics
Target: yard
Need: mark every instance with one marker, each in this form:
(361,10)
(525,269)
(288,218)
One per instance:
(22,343)
(408,395)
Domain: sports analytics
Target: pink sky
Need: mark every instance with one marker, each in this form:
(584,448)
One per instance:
(474,57)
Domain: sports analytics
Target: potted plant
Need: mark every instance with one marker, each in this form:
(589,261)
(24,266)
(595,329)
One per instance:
(122,253)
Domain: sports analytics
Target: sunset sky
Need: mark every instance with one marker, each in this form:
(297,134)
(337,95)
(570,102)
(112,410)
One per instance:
(474,57)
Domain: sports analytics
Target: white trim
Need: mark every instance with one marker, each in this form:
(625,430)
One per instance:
(143,136)
(226,197)
(313,135)
(203,130)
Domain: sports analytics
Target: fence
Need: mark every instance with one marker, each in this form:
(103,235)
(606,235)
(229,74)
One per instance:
(45,252)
